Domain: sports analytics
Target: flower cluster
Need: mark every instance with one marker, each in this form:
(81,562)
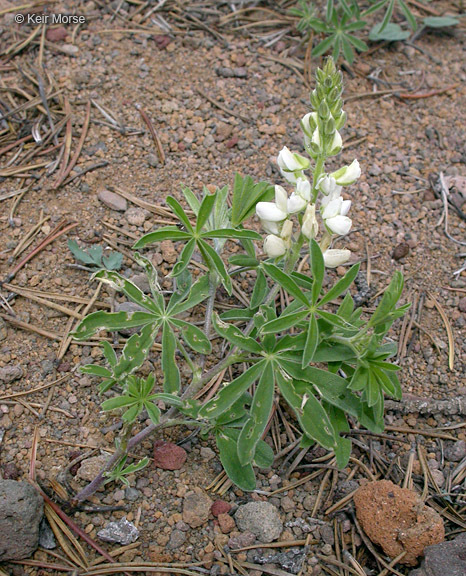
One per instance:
(321,140)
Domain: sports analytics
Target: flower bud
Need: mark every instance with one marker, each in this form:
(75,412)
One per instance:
(274,246)
(310,226)
(309,124)
(334,258)
(285,234)
(336,144)
(324,111)
(348,174)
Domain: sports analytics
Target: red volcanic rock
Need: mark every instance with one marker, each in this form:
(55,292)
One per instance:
(169,456)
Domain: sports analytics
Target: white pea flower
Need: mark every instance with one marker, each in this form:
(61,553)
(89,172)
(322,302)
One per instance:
(334,215)
(348,174)
(291,165)
(274,211)
(310,226)
(274,246)
(334,257)
(270,227)
(329,187)
(296,203)
(303,189)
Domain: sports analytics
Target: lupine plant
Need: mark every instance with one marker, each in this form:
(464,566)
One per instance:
(312,350)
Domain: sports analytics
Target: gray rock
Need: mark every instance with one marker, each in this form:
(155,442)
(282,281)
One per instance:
(129,307)
(112,200)
(444,559)
(10,372)
(21,510)
(136,216)
(90,467)
(46,536)
(456,452)
(121,532)
(177,539)
(132,494)
(260,518)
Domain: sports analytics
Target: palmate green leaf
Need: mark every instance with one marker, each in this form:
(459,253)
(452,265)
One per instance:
(231,392)
(237,413)
(243,260)
(165,233)
(323,46)
(236,314)
(111,321)
(214,261)
(408,14)
(261,408)
(388,381)
(184,259)
(246,195)
(312,340)
(171,382)
(260,290)
(198,292)
(135,351)
(153,412)
(285,281)
(342,285)
(118,402)
(194,336)
(283,323)
(360,379)
(389,299)
(312,417)
(177,209)
(316,423)
(232,233)
(317,268)
(132,413)
(109,353)
(191,199)
(205,210)
(152,277)
(96,370)
(242,476)
(130,290)
(343,445)
(234,335)
(264,457)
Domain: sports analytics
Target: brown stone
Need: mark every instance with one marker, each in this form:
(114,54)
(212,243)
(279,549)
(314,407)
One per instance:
(220,507)
(169,456)
(397,520)
(226,523)
(196,508)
